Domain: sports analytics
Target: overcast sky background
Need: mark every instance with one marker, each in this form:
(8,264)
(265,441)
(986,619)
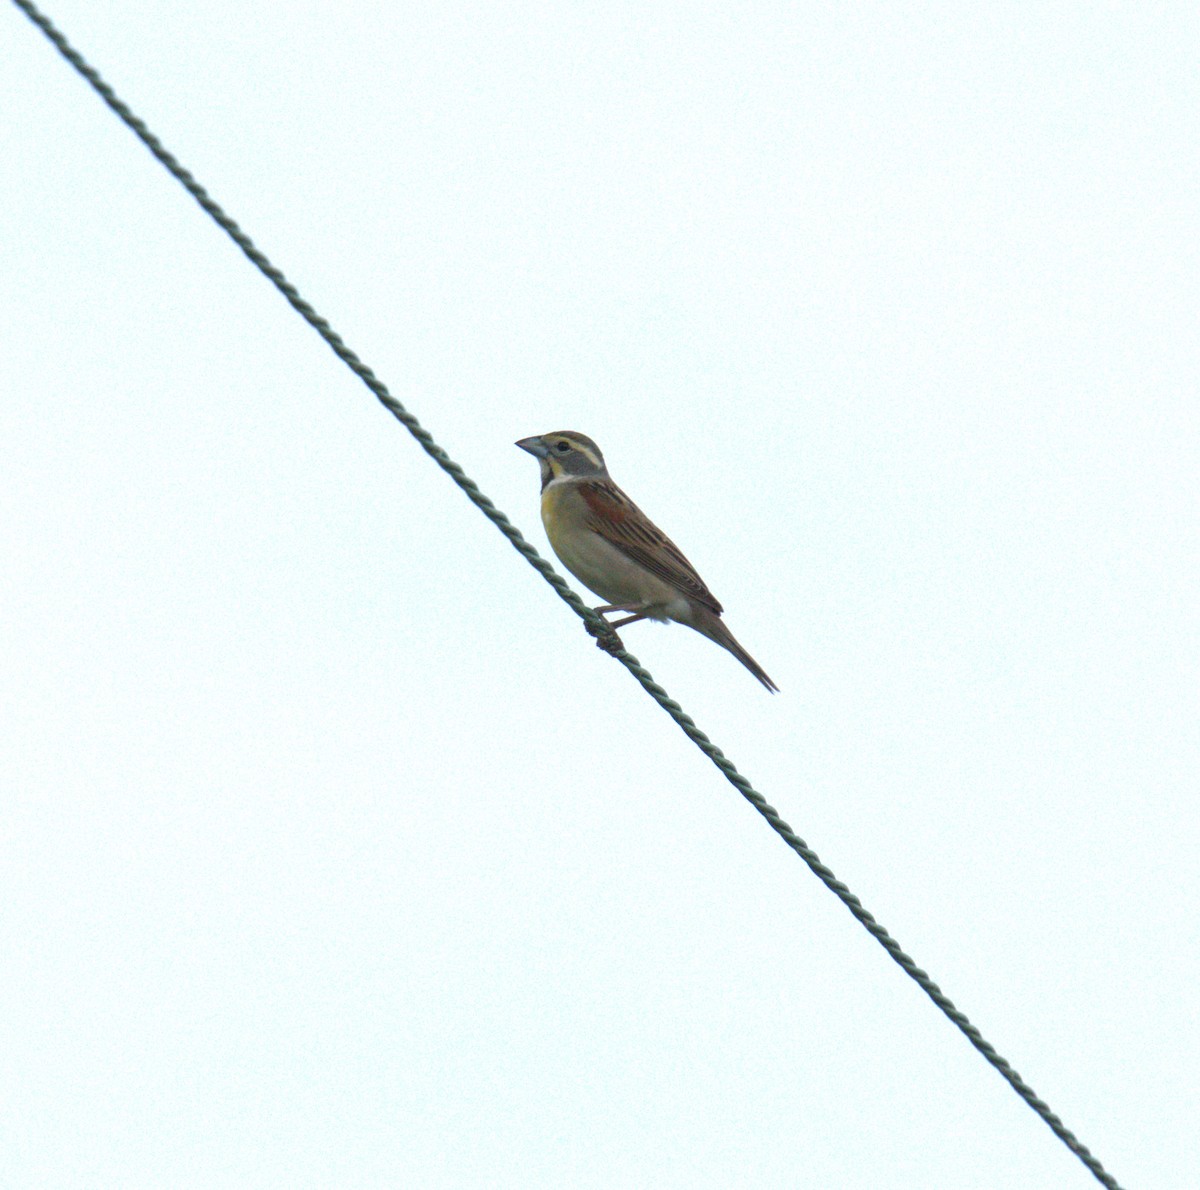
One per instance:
(332,853)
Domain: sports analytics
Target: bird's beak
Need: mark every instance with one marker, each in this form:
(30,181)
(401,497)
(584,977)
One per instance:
(535,446)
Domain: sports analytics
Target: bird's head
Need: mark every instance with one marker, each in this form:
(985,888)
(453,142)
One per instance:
(565,453)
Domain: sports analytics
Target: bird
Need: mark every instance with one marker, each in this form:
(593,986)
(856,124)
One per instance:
(615,550)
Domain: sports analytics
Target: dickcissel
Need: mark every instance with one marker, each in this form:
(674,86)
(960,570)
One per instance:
(614,549)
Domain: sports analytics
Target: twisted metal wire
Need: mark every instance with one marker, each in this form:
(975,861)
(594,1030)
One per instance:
(595,625)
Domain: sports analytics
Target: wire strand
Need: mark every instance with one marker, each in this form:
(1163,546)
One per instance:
(593,622)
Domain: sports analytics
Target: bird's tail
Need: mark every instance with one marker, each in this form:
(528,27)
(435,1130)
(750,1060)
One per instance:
(714,628)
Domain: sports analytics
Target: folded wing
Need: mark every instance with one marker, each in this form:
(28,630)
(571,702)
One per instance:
(618,520)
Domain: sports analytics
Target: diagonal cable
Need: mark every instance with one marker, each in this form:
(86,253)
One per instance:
(593,622)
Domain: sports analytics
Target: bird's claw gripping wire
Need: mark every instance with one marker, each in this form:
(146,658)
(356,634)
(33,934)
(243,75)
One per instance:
(606,638)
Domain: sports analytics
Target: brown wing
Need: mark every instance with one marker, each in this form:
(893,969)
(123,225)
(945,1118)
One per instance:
(617,519)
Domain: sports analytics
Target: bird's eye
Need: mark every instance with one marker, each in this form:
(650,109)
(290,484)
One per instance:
(562,447)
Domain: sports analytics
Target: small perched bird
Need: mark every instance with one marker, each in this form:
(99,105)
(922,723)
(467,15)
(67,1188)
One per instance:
(614,549)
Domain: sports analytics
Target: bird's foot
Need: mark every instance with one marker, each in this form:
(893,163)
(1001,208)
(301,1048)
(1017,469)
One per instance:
(606,638)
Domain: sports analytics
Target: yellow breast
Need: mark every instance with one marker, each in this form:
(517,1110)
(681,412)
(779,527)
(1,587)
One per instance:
(556,511)
(597,563)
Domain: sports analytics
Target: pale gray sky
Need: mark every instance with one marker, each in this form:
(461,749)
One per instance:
(331,851)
